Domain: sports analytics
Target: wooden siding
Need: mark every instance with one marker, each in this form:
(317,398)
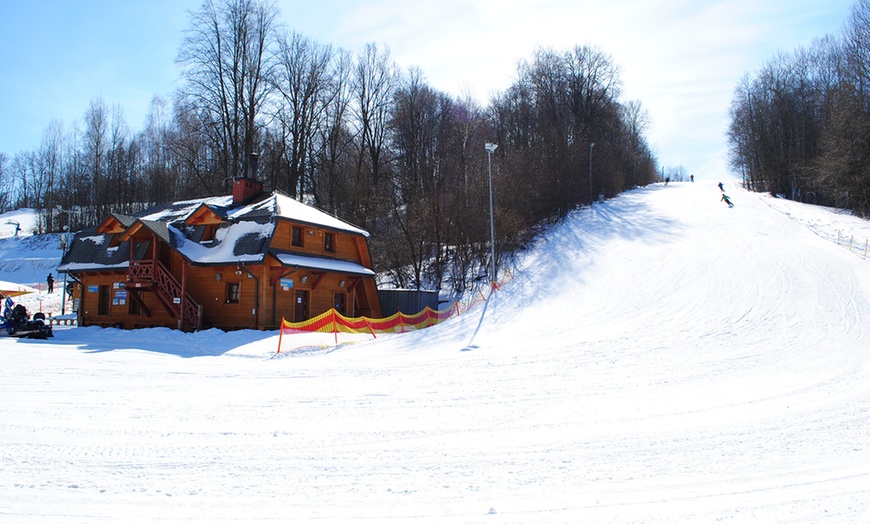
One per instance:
(313,238)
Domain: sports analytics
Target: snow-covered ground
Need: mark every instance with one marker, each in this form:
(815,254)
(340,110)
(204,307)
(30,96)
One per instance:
(27,259)
(657,358)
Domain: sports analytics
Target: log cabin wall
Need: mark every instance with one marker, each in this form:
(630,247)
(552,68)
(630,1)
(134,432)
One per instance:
(321,288)
(96,307)
(227,296)
(313,240)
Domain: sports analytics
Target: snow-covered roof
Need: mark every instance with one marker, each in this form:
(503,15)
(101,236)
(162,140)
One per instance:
(89,266)
(243,242)
(324,263)
(243,237)
(181,210)
(283,206)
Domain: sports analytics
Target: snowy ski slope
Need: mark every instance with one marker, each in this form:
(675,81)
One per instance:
(659,357)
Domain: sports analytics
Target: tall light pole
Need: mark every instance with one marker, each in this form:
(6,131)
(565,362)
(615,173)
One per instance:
(64,246)
(64,243)
(591,198)
(490,148)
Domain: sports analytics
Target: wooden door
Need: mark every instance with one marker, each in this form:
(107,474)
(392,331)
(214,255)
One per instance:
(300,308)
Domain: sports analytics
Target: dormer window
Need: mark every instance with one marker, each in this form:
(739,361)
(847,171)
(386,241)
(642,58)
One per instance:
(208,233)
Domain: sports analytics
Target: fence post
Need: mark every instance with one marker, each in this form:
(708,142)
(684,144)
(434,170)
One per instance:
(372,331)
(280,335)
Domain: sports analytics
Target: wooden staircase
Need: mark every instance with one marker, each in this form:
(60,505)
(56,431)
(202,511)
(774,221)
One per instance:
(151,275)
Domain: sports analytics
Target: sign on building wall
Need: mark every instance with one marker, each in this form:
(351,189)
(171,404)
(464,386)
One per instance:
(286,284)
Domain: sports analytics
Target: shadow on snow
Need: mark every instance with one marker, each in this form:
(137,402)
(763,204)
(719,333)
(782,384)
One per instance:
(208,343)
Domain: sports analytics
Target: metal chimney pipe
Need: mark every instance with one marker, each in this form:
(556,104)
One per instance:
(253,161)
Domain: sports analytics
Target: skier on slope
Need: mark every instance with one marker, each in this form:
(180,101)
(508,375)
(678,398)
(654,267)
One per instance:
(721,187)
(727,200)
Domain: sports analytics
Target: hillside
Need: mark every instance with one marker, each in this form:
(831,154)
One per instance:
(659,357)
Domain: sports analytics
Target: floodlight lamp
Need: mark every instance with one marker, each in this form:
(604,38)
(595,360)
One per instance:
(490,147)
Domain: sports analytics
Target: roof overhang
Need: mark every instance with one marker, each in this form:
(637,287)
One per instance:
(83,267)
(335,265)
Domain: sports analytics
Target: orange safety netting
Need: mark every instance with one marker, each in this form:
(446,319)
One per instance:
(334,322)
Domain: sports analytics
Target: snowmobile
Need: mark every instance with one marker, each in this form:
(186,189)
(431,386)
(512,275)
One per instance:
(15,323)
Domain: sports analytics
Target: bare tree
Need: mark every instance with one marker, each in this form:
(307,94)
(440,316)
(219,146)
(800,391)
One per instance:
(334,179)
(6,183)
(95,145)
(303,79)
(226,61)
(154,139)
(374,83)
(50,161)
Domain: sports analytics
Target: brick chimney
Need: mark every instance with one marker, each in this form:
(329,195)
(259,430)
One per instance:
(247,188)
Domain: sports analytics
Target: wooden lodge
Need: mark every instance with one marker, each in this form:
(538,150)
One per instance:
(237,262)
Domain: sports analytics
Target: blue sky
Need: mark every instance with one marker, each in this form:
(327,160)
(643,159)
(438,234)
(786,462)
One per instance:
(680,58)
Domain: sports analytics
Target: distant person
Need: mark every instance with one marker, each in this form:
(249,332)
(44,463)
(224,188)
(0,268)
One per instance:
(50,281)
(668,179)
(691,178)
(727,200)
(721,187)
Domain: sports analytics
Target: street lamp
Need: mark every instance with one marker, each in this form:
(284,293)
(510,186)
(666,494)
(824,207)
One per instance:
(490,148)
(591,145)
(65,245)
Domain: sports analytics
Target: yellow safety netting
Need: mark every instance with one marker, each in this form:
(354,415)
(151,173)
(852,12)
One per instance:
(334,322)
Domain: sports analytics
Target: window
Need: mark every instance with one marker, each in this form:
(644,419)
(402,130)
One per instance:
(133,303)
(208,233)
(327,242)
(296,239)
(103,301)
(233,292)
